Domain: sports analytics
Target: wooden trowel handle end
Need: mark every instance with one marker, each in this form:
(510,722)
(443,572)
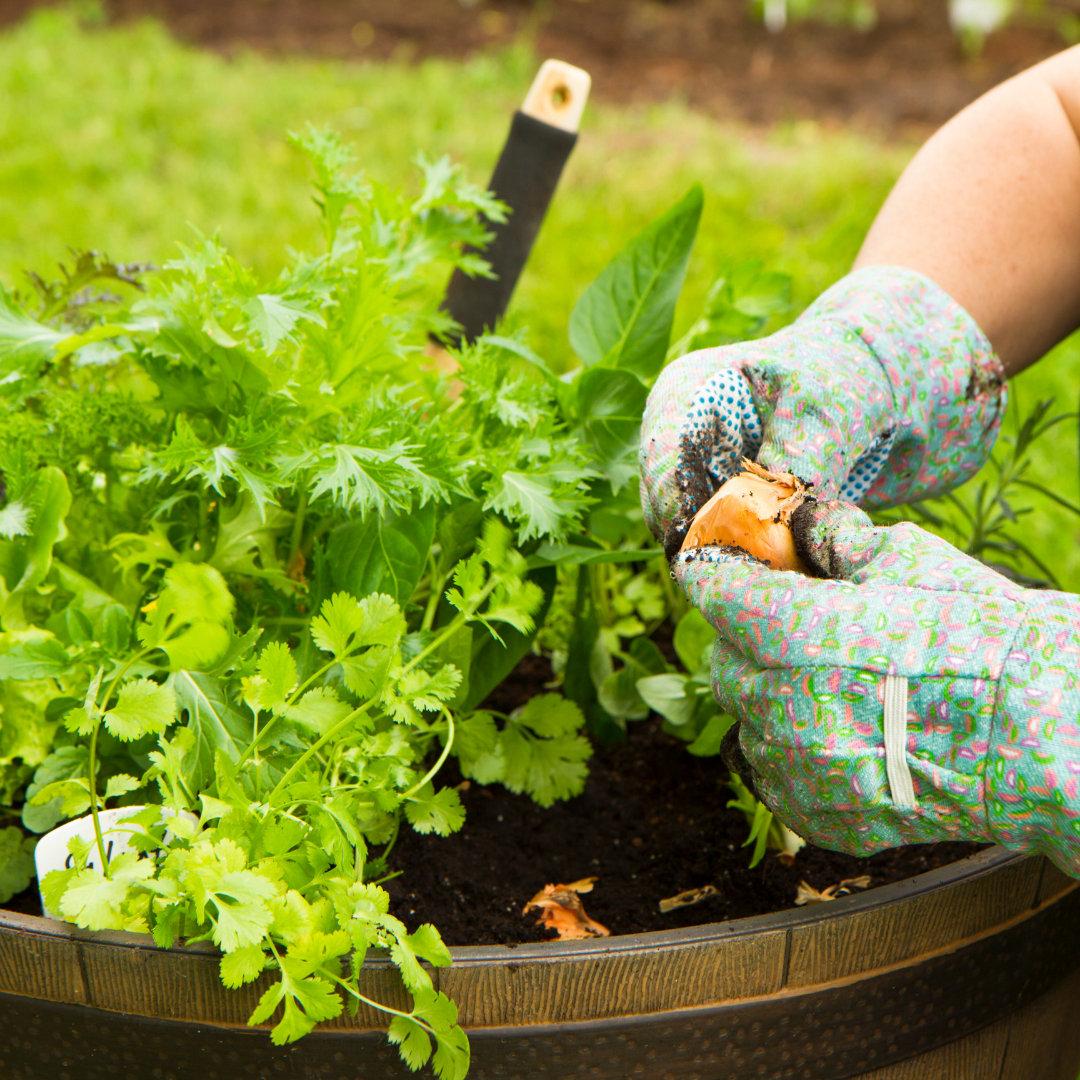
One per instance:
(558,95)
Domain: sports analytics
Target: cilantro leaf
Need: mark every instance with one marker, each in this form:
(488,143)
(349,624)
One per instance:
(242,965)
(550,715)
(439,811)
(346,624)
(412,1041)
(142,708)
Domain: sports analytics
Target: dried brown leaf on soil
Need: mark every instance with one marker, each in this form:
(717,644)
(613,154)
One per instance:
(807,894)
(561,909)
(688,897)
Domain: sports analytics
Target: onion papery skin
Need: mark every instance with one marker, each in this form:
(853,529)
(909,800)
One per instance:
(752,512)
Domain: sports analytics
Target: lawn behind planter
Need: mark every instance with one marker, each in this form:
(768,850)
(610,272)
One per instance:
(122,140)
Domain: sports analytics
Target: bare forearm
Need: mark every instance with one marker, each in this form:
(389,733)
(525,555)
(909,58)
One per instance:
(989,209)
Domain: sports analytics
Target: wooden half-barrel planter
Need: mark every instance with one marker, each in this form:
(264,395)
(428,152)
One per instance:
(969,972)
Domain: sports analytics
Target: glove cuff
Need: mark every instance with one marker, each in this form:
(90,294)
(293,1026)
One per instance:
(947,385)
(1032,778)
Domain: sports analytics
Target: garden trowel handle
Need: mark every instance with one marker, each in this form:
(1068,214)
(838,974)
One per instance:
(542,134)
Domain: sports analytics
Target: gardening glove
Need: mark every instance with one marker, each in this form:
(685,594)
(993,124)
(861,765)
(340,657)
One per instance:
(923,697)
(884,391)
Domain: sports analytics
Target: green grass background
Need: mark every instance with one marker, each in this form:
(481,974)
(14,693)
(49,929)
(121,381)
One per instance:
(123,140)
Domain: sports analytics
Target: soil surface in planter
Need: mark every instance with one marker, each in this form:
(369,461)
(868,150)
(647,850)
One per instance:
(652,822)
(908,71)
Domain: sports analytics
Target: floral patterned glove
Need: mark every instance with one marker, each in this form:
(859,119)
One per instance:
(924,697)
(884,391)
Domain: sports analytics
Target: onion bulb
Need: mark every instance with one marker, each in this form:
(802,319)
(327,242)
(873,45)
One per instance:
(752,512)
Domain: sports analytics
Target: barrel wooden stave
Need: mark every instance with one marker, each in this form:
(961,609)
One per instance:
(553,1004)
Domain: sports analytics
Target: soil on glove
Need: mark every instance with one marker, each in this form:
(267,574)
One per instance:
(908,71)
(651,823)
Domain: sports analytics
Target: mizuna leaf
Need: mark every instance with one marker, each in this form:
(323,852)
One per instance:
(273,318)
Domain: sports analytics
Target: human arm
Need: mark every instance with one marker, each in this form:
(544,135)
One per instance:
(989,209)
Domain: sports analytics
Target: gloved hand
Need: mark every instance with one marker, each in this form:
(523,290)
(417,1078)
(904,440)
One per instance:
(884,391)
(922,698)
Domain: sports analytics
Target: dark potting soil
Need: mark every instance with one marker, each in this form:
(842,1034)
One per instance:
(651,823)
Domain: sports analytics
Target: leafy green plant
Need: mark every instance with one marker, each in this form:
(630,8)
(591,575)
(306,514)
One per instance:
(766,832)
(259,564)
(983,518)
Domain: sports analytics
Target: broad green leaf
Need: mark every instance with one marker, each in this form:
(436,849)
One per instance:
(693,636)
(624,317)
(17,863)
(26,560)
(201,647)
(458,532)
(610,405)
(196,592)
(24,344)
(41,659)
(577,555)
(668,695)
(707,744)
(618,695)
(214,723)
(382,554)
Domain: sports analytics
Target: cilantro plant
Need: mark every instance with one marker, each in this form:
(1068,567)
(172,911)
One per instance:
(259,564)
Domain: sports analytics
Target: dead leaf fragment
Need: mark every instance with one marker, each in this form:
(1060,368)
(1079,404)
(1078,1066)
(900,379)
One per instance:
(688,897)
(807,894)
(561,909)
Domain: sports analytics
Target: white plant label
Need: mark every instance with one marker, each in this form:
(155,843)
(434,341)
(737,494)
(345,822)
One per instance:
(52,852)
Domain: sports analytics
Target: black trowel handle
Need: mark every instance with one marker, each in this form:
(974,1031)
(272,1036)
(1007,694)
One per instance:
(542,134)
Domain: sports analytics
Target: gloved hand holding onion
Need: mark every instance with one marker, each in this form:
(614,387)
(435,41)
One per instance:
(863,724)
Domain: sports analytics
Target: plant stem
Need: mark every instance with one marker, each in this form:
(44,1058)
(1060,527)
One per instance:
(298,530)
(382,1008)
(438,764)
(392,841)
(91,762)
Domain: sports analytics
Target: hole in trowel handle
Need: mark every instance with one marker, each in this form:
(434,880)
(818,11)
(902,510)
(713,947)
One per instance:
(558,95)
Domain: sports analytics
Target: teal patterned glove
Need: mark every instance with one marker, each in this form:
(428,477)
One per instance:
(921,698)
(884,391)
